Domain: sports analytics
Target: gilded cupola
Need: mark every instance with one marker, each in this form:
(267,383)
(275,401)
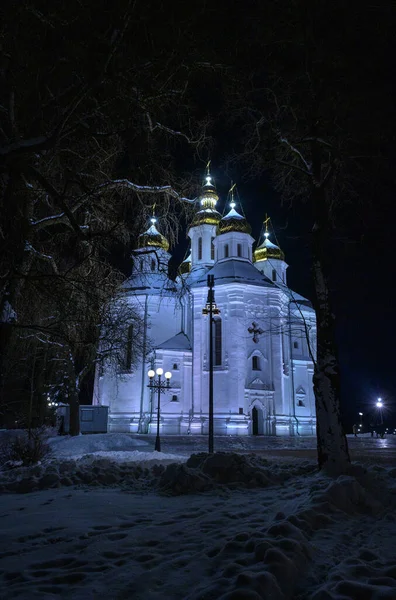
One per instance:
(152,238)
(267,250)
(233,220)
(207,213)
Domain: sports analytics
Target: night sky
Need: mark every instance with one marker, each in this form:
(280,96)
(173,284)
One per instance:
(351,52)
(363,239)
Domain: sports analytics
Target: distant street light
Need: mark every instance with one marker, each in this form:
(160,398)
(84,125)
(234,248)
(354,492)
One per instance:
(380,406)
(161,386)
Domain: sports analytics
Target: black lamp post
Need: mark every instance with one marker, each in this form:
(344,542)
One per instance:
(210,309)
(161,386)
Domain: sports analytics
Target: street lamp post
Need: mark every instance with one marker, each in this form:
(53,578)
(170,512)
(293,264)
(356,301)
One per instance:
(161,387)
(210,309)
(361,419)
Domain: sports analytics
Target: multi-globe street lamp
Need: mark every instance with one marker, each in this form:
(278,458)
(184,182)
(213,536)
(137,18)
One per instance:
(161,386)
(211,309)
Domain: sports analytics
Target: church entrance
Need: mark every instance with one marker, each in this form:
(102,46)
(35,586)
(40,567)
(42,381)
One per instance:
(257,421)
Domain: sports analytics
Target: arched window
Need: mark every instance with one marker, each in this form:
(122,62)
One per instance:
(300,403)
(239,249)
(212,249)
(200,248)
(175,366)
(152,264)
(226,251)
(256,363)
(217,350)
(175,398)
(273,275)
(128,349)
(295,345)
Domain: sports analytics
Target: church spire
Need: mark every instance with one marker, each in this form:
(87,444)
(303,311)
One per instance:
(152,237)
(233,220)
(268,257)
(207,215)
(203,227)
(267,250)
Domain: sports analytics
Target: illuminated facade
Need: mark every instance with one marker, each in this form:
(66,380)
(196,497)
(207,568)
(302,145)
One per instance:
(263,338)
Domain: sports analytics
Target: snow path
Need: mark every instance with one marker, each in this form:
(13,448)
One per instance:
(310,537)
(107,542)
(104,531)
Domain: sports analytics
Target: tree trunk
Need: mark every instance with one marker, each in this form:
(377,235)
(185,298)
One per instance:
(74,404)
(333,454)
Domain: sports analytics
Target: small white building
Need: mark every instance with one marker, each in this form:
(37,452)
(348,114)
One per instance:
(264,337)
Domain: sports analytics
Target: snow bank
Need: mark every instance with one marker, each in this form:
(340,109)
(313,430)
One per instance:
(225,526)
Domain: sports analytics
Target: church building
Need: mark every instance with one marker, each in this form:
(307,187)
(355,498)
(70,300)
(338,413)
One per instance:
(263,335)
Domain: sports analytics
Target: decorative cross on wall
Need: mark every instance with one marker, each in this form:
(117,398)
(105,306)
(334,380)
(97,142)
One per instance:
(256,332)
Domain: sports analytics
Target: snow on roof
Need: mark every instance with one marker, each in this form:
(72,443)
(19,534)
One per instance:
(157,283)
(234,270)
(232,214)
(177,342)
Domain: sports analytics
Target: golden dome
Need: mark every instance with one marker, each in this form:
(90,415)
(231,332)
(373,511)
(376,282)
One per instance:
(233,221)
(185,267)
(153,238)
(208,198)
(268,250)
(208,216)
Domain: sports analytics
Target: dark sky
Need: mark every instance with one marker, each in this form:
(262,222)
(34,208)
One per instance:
(351,45)
(363,279)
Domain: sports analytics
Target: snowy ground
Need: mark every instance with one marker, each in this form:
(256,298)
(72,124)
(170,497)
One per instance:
(241,527)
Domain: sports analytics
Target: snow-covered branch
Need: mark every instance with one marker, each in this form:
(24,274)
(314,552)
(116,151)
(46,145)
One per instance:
(294,150)
(42,256)
(144,189)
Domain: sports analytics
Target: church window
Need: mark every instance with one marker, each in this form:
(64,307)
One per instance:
(175,366)
(217,350)
(295,345)
(300,403)
(256,363)
(128,352)
(152,264)
(239,249)
(175,398)
(273,275)
(212,249)
(200,248)
(241,410)
(226,251)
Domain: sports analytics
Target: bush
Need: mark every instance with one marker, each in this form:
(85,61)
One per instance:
(25,450)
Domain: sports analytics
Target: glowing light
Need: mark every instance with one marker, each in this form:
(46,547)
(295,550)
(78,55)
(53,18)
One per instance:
(208,180)
(160,371)
(232,204)
(361,414)
(153,220)
(266,235)
(379,403)
(151,373)
(168,375)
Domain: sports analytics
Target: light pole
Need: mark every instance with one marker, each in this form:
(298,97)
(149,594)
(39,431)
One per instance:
(380,406)
(161,386)
(210,309)
(361,419)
